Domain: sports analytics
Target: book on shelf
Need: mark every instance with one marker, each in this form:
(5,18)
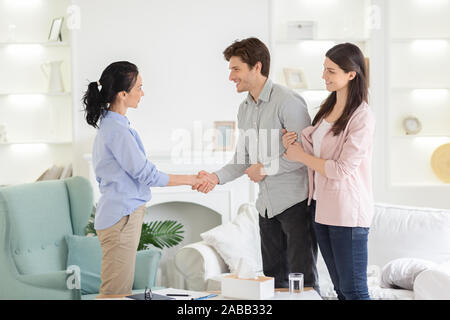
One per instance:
(56,172)
(67,172)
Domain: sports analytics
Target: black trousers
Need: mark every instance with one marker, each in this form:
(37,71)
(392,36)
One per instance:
(288,244)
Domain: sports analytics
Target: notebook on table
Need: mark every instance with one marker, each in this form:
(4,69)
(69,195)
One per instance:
(141,296)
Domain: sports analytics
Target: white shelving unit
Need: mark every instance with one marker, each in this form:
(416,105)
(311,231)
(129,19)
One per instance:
(38,123)
(335,22)
(417,71)
(419,85)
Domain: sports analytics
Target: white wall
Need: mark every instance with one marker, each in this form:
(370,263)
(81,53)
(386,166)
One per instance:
(178,47)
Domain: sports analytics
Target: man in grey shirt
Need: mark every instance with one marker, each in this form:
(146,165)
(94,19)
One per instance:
(288,242)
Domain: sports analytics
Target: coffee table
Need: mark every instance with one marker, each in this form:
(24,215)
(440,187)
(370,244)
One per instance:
(280,294)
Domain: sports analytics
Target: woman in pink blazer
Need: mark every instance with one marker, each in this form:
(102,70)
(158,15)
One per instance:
(337,149)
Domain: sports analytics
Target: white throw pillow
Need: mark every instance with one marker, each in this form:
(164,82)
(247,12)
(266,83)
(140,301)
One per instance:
(401,273)
(434,283)
(238,239)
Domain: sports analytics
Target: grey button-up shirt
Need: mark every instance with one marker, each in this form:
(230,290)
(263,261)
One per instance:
(260,140)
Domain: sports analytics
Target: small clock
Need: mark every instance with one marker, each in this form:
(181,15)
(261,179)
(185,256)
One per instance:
(412,125)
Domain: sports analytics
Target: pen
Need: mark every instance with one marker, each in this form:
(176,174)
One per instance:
(205,297)
(177,295)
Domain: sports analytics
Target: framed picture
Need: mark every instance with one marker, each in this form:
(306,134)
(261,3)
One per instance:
(295,78)
(55,30)
(224,135)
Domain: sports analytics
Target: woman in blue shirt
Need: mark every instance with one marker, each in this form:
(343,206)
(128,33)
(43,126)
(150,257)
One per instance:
(123,172)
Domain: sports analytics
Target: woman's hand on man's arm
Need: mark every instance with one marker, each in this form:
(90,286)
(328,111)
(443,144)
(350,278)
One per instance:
(289,138)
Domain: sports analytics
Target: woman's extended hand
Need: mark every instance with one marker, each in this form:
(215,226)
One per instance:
(295,152)
(289,138)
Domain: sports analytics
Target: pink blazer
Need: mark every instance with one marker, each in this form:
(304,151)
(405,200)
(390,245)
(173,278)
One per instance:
(344,195)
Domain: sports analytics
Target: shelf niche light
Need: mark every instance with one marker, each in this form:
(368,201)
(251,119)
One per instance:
(431,3)
(316,46)
(24,50)
(20,4)
(429,46)
(429,94)
(26,99)
(29,148)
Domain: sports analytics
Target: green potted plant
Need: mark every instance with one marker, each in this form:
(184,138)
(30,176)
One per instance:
(166,233)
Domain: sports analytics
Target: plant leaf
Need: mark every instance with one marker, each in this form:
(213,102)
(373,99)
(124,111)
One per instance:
(161,234)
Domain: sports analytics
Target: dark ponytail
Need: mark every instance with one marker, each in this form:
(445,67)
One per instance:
(117,77)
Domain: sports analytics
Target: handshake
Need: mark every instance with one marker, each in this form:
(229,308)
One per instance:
(205,181)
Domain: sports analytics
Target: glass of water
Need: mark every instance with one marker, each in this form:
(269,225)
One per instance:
(295,283)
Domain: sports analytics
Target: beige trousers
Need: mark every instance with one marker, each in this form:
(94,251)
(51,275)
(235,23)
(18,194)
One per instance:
(119,246)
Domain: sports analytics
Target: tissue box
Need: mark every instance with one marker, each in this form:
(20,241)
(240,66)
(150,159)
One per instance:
(251,289)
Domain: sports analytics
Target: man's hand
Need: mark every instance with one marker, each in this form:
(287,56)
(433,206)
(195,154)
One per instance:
(206,182)
(256,172)
(289,138)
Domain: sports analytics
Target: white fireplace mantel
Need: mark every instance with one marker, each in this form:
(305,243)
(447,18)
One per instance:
(224,199)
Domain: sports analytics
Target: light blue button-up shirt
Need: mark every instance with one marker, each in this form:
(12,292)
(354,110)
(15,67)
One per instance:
(122,170)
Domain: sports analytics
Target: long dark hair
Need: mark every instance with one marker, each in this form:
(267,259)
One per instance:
(349,58)
(118,76)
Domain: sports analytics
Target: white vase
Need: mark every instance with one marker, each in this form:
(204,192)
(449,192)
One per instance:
(52,71)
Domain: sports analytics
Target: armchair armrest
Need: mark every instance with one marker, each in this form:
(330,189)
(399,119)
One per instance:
(53,280)
(147,262)
(57,284)
(199,262)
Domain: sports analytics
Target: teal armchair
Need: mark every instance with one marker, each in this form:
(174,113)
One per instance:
(35,219)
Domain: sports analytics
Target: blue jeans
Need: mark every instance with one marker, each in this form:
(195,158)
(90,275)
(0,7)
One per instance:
(344,250)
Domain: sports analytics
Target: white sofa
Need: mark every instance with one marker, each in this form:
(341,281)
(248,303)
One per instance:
(396,232)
